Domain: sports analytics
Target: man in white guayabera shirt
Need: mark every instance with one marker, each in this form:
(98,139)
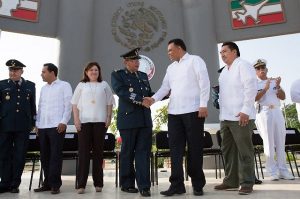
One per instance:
(54,112)
(188,83)
(295,95)
(238,88)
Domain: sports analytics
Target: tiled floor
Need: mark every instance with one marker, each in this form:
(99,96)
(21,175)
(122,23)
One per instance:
(281,189)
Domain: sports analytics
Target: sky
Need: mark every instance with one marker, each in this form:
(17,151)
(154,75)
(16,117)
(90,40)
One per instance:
(33,51)
(281,53)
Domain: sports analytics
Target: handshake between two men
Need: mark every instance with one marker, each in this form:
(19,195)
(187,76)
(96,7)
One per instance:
(148,101)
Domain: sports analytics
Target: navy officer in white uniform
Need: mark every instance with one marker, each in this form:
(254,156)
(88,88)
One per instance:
(270,121)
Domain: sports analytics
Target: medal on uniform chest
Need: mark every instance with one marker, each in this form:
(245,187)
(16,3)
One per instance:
(131,89)
(7,97)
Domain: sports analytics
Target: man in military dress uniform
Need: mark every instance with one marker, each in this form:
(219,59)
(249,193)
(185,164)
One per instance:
(17,118)
(134,123)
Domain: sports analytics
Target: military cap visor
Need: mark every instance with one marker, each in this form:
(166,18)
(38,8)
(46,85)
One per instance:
(15,64)
(132,54)
(259,63)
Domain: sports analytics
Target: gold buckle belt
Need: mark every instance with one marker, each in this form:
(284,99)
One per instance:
(270,106)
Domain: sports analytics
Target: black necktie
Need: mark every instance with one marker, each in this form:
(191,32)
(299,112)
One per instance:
(17,84)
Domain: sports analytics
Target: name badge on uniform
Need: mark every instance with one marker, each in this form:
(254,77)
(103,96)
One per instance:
(130,89)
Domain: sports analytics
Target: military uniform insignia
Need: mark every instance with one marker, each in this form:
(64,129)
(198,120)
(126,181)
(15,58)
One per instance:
(132,96)
(131,89)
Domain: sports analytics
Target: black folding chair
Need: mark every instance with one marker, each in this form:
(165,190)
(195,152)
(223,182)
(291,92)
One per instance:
(110,153)
(258,150)
(33,154)
(70,150)
(292,145)
(163,151)
(221,158)
(208,149)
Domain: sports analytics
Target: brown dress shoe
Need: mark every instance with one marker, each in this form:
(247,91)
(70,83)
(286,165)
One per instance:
(245,190)
(225,187)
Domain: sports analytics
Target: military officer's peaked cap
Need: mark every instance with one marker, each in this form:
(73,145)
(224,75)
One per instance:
(260,62)
(133,54)
(14,64)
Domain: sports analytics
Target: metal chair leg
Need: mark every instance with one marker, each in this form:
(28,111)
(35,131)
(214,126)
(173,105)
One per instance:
(32,171)
(260,164)
(156,169)
(257,173)
(295,161)
(288,157)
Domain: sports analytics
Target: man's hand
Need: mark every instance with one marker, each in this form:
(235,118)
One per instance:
(61,128)
(244,119)
(267,86)
(148,101)
(203,112)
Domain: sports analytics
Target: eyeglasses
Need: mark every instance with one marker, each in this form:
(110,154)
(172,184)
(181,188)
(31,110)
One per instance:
(260,68)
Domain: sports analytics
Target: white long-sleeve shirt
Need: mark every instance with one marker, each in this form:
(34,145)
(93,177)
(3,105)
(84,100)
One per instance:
(189,84)
(92,99)
(238,88)
(54,104)
(295,91)
(295,95)
(270,97)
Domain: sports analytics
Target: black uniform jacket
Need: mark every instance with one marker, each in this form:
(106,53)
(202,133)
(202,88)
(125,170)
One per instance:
(131,88)
(17,106)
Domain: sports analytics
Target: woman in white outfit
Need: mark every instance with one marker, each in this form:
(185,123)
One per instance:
(270,122)
(92,108)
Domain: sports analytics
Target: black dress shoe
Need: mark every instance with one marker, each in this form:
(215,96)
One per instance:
(172,191)
(198,192)
(257,181)
(55,191)
(130,189)
(145,193)
(41,189)
(14,190)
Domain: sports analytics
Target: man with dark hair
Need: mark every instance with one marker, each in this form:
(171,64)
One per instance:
(54,112)
(188,82)
(238,88)
(17,119)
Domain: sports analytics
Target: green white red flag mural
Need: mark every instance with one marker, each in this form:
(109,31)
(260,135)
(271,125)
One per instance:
(20,9)
(251,13)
